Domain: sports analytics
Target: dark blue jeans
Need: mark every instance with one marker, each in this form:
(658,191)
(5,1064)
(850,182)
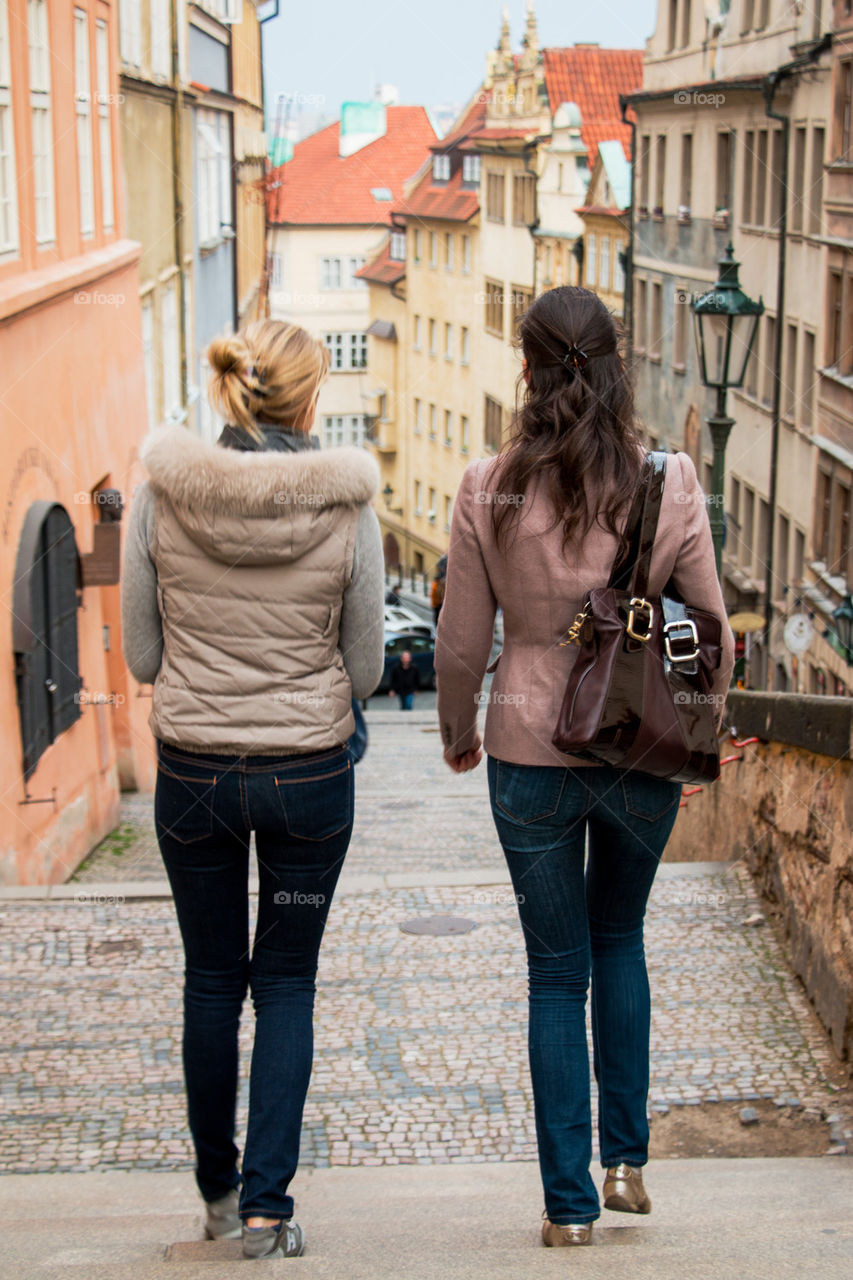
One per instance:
(579,924)
(301,810)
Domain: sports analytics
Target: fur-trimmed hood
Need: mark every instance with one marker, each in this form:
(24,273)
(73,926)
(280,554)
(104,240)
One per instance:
(256,507)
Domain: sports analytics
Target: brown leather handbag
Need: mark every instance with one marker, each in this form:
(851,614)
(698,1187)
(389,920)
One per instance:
(639,694)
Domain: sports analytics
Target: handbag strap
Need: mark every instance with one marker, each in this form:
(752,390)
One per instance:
(641,528)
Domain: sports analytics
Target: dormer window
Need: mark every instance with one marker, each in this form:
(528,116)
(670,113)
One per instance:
(471,169)
(398,246)
(441,168)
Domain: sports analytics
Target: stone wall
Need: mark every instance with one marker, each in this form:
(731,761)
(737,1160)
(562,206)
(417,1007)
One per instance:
(785,808)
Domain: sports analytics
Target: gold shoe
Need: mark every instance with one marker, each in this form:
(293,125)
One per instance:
(554,1235)
(624,1190)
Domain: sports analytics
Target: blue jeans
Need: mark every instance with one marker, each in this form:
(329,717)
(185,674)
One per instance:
(406,701)
(578,925)
(301,810)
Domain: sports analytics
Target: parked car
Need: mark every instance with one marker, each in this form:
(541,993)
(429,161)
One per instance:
(399,618)
(422,649)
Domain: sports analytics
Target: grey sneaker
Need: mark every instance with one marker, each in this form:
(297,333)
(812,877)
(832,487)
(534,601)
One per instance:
(222,1221)
(284,1241)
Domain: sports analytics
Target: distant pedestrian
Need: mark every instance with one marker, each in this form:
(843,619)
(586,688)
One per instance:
(252,600)
(405,681)
(582,840)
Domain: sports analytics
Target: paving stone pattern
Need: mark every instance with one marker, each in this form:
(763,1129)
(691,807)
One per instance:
(420,1042)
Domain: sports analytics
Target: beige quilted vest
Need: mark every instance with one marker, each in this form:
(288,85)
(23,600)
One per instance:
(253,553)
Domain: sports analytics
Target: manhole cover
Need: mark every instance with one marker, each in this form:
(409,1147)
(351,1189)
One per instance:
(436,926)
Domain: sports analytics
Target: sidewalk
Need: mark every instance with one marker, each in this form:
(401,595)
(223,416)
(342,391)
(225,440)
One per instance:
(420,1061)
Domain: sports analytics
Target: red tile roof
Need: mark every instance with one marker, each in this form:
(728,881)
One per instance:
(383,269)
(450,200)
(594,78)
(319,187)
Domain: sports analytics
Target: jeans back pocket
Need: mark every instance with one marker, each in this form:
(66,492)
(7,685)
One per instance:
(183,803)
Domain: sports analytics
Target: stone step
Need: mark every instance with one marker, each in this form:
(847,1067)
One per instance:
(762,1219)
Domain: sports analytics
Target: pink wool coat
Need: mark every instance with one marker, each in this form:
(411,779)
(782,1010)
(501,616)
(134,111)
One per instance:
(540,588)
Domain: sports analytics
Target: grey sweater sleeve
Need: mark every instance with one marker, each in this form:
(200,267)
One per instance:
(141,628)
(362,629)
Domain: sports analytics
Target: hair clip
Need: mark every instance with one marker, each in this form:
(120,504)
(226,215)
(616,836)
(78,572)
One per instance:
(574,357)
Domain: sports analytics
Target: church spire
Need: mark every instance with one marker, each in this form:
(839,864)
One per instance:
(530,40)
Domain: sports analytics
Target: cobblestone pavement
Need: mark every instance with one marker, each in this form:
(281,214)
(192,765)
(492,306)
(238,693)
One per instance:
(420,1042)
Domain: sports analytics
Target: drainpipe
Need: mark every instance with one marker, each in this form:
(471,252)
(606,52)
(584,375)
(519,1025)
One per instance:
(177,200)
(628,306)
(769,91)
(532,227)
(263,300)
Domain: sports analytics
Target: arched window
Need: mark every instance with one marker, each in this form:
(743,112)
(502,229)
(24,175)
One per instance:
(44,629)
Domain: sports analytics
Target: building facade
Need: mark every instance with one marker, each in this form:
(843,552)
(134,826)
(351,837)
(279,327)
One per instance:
(710,168)
(73,393)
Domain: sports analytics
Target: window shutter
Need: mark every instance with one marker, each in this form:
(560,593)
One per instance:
(60,556)
(32,671)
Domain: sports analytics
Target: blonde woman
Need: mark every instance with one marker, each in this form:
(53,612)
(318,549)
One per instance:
(253,601)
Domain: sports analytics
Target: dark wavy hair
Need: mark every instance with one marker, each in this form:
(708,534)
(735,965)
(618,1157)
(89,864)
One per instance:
(574,420)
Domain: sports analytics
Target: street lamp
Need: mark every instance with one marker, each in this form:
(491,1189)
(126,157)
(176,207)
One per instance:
(726,324)
(843,619)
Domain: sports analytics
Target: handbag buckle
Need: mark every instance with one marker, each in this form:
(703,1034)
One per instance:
(680,632)
(636,606)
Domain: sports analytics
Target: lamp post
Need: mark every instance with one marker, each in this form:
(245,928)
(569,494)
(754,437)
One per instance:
(726,321)
(843,619)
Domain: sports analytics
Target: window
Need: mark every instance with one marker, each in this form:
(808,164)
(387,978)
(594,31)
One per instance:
(685,23)
(733,519)
(686,172)
(495,202)
(42,123)
(345,429)
(823,511)
(492,424)
(807,381)
(816,185)
(521,299)
(398,246)
(660,172)
(798,192)
(214,174)
(466,254)
(8,187)
(418,420)
(416,339)
(433,249)
(759,214)
(672,28)
(799,554)
(725,150)
(448,512)
(494,298)
(748,171)
(431,511)
(448,250)
(746,528)
(105,133)
(276,270)
(656,328)
(681,323)
(645,165)
(348,351)
(465,353)
(591,256)
(148,359)
(82,103)
(471,170)
(432,337)
(641,292)
(441,168)
(523,199)
(604,263)
(340,273)
(433,423)
(44,629)
(748,16)
(171,340)
(789,372)
(417,253)
(776,177)
(835,318)
(783,538)
(448,427)
(192,389)
(763,14)
(844,112)
(130,31)
(464,434)
(769,359)
(161,38)
(618,269)
(448,341)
